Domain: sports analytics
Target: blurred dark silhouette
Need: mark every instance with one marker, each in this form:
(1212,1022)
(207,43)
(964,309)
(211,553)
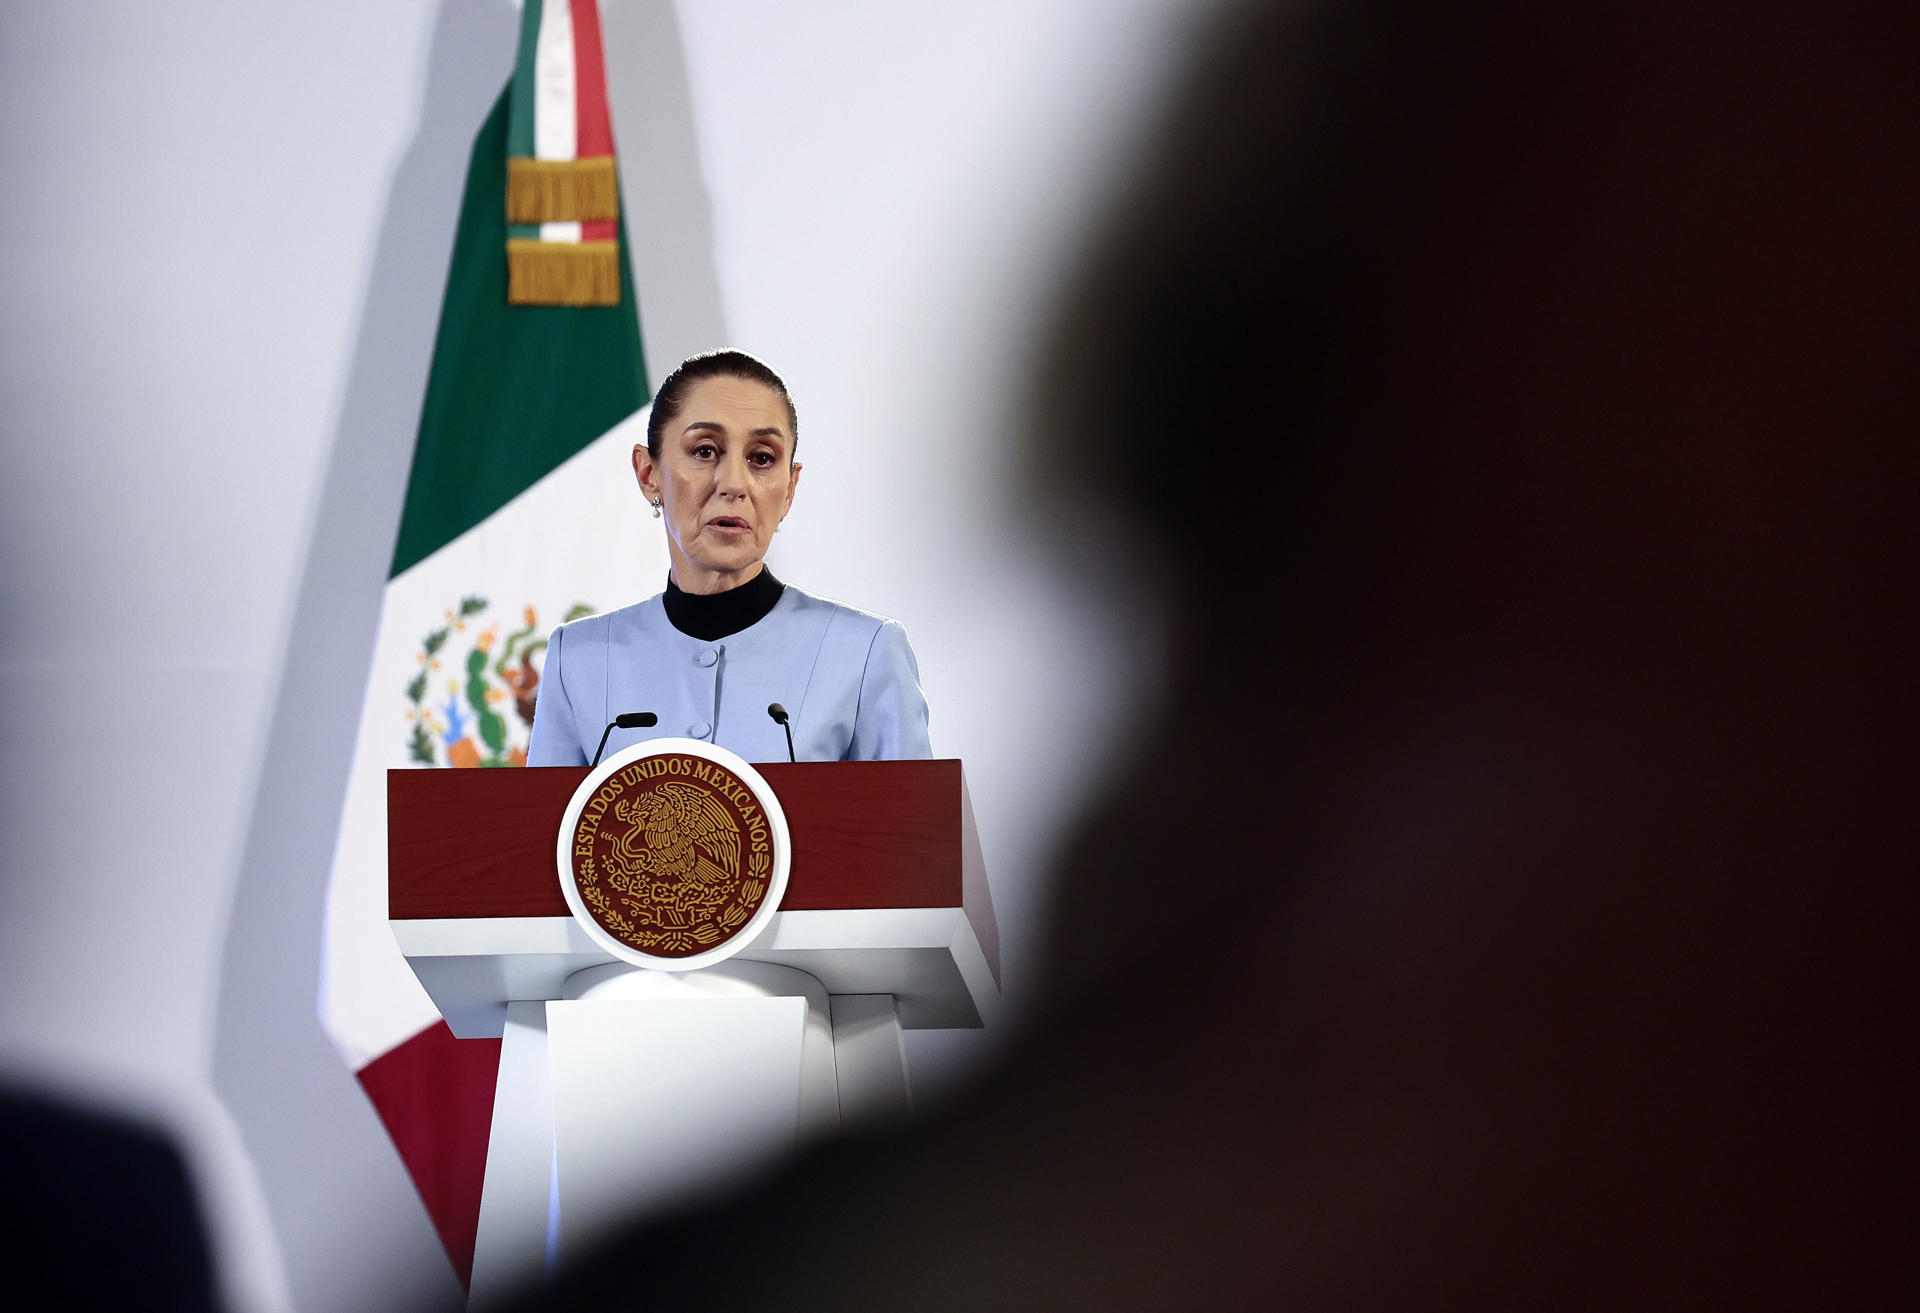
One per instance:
(1508,907)
(97,1212)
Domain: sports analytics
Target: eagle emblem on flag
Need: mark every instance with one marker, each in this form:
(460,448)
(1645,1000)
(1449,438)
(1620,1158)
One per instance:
(471,700)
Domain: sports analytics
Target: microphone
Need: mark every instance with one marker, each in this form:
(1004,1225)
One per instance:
(779,714)
(625,720)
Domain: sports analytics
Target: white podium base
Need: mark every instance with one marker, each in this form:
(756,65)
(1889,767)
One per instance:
(641,1092)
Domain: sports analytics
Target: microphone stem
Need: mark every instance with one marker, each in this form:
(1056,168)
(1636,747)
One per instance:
(603,744)
(787,725)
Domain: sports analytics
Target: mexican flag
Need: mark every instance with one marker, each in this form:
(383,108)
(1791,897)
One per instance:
(520,513)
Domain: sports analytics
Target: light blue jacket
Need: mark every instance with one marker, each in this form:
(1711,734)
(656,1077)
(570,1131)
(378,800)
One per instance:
(848,680)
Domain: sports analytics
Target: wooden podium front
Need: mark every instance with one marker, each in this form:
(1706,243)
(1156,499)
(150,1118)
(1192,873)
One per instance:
(886,924)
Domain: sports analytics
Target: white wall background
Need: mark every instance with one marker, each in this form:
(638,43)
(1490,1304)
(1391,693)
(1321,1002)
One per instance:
(222,261)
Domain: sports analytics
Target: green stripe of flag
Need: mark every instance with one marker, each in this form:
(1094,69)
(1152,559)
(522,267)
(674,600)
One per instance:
(514,390)
(520,133)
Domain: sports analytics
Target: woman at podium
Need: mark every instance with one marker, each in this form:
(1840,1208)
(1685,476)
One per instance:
(726,641)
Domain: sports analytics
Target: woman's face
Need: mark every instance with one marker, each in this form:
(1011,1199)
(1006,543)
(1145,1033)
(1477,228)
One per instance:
(725,479)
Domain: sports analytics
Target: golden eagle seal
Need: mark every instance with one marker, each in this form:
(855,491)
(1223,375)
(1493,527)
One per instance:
(681,852)
(671,855)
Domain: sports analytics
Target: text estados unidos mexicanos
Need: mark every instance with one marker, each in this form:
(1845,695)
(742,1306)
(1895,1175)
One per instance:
(717,778)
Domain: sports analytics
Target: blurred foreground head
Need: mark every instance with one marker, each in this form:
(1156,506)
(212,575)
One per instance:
(1501,909)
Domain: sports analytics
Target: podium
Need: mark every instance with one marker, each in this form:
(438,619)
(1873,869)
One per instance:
(625,1091)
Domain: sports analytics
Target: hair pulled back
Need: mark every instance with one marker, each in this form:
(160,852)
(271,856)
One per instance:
(724,363)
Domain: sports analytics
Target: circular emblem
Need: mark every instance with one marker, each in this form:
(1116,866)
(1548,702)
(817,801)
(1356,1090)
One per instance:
(673,854)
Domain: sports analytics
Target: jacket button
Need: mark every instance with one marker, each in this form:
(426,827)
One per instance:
(706,656)
(699,730)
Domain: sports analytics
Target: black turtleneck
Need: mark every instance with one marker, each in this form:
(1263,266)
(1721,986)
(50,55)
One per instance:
(710,617)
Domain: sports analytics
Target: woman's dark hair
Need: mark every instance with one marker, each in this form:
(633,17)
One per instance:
(725,363)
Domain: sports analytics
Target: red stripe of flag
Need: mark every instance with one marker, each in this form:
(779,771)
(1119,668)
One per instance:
(592,126)
(594,132)
(435,1094)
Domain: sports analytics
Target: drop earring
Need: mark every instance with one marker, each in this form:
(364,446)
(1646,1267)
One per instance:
(656,510)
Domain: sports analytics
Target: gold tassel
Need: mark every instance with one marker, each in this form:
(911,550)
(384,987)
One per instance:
(562,273)
(561,191)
